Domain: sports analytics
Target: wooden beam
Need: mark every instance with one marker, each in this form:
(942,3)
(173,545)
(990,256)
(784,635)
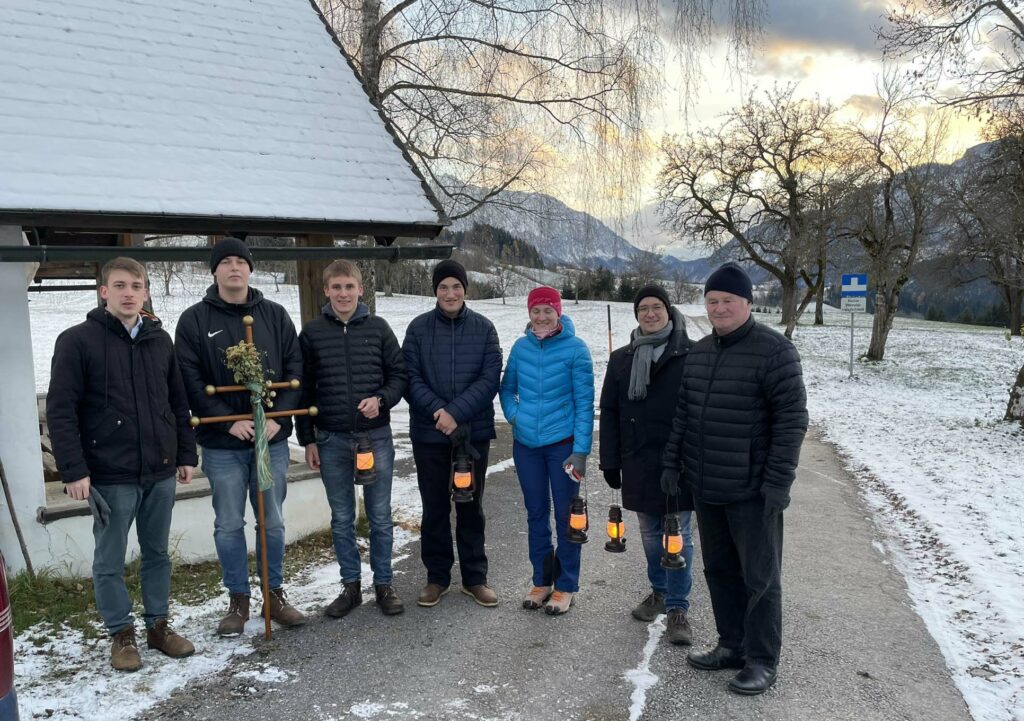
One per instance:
(310,276)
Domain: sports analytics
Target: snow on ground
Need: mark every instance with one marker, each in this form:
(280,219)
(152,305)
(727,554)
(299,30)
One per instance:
(921,431)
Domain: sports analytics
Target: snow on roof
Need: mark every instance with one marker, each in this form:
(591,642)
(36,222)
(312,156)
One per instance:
(241,108)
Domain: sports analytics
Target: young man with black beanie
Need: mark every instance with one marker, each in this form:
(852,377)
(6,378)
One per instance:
(453,359)
(735,442)
(205,331)
(640,389)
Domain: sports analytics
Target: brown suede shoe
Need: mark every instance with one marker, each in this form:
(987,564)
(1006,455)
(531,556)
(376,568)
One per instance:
(536,597)
(163,638)
(282,611)
(238,613)
(482,594)
(558,603)
(124,653)
(431,594)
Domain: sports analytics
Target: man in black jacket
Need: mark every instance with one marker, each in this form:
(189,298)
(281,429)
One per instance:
(453,359)
(119,422)
(640,389)
(736,437)
(205,331)
(354,374)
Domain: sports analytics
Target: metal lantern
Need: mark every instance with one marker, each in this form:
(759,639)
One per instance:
(462,477)
(366,469)
(578,520)
(616,542)
(672,544)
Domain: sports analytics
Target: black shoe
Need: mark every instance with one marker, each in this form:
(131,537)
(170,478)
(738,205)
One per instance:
(754,679)
(716,659)
(678,628)
(650,607)
(389,602)
(351,596)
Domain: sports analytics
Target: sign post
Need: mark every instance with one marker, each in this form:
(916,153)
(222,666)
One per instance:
(853,297)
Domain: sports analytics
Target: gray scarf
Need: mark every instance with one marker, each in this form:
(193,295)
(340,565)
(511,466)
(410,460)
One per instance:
(644,347)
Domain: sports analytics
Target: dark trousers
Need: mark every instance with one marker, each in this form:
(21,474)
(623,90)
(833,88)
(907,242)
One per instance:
(433,473)
(743,566)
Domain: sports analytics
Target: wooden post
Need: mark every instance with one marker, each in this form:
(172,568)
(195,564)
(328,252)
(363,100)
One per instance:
(310,272)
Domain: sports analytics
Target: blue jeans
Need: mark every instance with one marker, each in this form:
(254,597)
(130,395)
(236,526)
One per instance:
(150,508)
(337,460)
(673,585)
(544,481)
(232,477)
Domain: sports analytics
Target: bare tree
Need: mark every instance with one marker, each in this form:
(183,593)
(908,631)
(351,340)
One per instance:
(752,180)
(894,209)
(978,44)
(167,270)
(645,267)
(684,290)
(504,273)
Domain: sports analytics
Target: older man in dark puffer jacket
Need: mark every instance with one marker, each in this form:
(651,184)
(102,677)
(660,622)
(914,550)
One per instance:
(736,437)
(453,359)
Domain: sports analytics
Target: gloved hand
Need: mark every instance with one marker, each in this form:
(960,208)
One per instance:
(776,500)
(670,481)
(613,477)
(99,507)
(578,461)
(460,435)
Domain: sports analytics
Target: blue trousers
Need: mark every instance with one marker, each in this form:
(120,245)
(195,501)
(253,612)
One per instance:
(544,482)
(337,468)
(232,477)
(673,585)
(149,507)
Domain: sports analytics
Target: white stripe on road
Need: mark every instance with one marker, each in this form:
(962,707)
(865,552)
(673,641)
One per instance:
(641,676)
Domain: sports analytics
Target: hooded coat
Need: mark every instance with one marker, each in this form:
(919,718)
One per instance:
(116,407)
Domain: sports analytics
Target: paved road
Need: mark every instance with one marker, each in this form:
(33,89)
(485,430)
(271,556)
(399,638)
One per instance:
(854,649)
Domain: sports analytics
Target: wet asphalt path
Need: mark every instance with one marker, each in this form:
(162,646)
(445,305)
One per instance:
(853,648)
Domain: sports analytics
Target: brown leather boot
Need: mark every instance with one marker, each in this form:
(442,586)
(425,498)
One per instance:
(282,611)
(163,638)
(238,613)
(124,653)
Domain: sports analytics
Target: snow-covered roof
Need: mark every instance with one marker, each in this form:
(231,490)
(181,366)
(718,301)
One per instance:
(240,108)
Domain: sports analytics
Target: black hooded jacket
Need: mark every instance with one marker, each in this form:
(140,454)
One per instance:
(345,363)
(633,433)
(205,330)
(741,416)
(116,407)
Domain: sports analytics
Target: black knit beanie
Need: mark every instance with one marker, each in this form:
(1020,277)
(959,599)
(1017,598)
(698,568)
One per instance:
(227,247)
(730,278)
(650,291)
(450,269)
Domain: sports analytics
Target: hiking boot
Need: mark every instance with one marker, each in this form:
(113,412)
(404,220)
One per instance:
(238,613)
(536,597)
(650,607)
(351,596)
(282,611)
(482,594)
(431,594)
(163,638)
(558,603)
(124,653)
(389,602)
(678,628)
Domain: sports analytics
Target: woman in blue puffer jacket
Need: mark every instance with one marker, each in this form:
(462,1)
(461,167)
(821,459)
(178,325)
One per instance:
(547,394)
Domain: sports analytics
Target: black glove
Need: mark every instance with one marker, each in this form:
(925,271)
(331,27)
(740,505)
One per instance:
(460,435)
(99,507)
(670,481)
(776,500)
(613,477)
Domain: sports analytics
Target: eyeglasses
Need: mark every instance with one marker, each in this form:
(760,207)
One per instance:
(656,308)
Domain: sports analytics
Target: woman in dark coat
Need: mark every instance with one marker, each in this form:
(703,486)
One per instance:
(641,388)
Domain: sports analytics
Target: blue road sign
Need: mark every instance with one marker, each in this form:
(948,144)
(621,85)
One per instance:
(854,286)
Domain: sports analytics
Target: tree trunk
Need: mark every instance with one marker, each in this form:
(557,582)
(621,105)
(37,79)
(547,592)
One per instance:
(1015,299)
(886,303)
(369,48)
(1015,408)
(819,297)
(790,313)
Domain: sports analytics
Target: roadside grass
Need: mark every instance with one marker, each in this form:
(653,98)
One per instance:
(57,600)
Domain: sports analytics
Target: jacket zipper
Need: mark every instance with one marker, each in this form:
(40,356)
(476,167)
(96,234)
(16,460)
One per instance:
(703,410)
(348,376)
